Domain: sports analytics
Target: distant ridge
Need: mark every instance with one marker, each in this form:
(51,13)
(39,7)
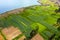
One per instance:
(18,10)
(12,12)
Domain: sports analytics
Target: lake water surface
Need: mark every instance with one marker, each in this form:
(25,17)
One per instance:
(7,5)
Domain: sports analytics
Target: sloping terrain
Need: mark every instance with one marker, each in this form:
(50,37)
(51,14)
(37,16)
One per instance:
(32,20)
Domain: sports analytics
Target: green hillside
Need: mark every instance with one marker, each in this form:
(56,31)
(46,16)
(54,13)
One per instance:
(42,17)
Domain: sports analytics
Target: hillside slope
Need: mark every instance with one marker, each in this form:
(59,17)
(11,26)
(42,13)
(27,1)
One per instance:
(42,18)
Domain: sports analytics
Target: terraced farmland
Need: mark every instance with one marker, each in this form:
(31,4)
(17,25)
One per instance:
(31,21)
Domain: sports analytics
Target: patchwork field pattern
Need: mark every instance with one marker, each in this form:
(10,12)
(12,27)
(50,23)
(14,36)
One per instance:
(38,21)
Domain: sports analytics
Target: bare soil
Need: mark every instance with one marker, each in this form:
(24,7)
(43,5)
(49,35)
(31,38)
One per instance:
(37,37)
(11,32)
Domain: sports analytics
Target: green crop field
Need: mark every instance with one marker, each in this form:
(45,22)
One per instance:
(42,17)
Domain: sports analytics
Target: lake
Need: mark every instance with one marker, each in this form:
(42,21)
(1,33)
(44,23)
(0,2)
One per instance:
(7,5)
